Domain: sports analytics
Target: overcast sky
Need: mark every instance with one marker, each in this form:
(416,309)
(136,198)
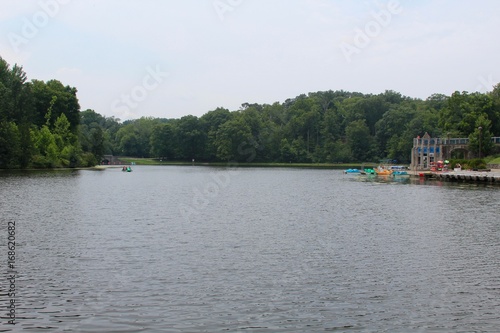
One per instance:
(170,58)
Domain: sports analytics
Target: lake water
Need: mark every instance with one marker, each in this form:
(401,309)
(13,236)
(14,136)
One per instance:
(201,249)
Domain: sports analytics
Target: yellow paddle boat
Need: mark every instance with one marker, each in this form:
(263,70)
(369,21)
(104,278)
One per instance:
(381,171)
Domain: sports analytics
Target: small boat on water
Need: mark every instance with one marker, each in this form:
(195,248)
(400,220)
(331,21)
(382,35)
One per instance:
(392,170)
(399,170)
(363,171)
(382,171)
(127,169)
(369,171)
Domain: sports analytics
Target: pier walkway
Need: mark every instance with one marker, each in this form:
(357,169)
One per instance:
(475,176)
(492,176)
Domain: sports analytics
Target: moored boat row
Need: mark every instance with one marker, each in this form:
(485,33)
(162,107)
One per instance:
(381,170)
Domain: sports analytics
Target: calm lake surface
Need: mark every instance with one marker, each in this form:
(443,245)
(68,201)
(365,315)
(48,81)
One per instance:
(201,249)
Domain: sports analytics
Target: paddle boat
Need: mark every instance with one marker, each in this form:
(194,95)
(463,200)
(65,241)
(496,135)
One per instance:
(352,171)
(382,171)
(399,170)
(369,171)
(127,169)
(366,171)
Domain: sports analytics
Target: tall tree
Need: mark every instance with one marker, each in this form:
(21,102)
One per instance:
(211,121)
(359,140)
(162,141)
(462,110)
(10,145)
(190,138)
(234,141)
(66,102)
(480,139)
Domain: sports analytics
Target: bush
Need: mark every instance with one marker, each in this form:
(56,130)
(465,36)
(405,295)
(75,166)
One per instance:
(88,160)
(41,162)
(476,163)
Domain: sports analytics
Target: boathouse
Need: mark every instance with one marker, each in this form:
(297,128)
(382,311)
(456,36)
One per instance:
(110,160)
(427,151)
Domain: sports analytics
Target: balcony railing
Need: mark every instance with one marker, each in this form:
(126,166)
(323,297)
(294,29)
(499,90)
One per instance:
(448,141)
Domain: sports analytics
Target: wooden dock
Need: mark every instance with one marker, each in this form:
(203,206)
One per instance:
(463,176)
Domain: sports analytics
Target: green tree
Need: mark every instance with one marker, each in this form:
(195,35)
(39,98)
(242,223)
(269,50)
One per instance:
(46,149)
(359,140)
(480,139)
(128,142)
(368,108)
(66,102)
(233,141)
(286,153)
(162,141)
(92,134)
(10,145)
(460,114)
(190,138)
(133,137)
(16,105)
(391,126)
(211,121)
(299,150)
(62,132)
(339,152)
(495,110)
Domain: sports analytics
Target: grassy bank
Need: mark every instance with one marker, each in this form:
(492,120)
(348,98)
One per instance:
(150,161)
(494,161)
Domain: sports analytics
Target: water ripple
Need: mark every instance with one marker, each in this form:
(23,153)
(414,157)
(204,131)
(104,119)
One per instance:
(276,250)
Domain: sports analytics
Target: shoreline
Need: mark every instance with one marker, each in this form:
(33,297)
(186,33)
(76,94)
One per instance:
(96,167)
(216,164)
(331,166)
(244,165)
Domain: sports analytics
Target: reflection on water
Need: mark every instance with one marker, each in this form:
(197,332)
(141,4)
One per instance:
(259,250)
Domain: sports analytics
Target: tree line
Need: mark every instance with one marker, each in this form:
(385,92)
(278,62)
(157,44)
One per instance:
(39,122)
(41,125)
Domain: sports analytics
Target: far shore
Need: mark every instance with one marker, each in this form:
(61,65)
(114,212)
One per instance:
(144,162)
(147,161)
(333,166)
(126,161)
(96,167)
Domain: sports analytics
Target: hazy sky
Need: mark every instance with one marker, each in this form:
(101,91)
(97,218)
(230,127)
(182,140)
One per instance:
(170,58)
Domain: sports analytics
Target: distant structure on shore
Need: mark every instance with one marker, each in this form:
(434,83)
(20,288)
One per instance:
(427,151)
(110,160)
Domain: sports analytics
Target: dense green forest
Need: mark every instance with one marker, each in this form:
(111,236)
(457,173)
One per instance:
(41,125)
